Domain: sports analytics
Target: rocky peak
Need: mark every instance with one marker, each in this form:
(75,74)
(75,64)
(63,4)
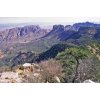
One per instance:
(69,28)
(58,28)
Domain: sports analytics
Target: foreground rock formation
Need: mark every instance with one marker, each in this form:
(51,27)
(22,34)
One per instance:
(10,77)
(19,75)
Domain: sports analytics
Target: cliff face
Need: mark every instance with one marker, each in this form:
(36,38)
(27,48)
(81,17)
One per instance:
(22,34)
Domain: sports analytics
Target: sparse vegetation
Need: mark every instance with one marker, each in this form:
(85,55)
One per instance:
(50,69)
(66,54)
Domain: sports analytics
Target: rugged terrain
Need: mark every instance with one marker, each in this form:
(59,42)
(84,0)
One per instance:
(72,50)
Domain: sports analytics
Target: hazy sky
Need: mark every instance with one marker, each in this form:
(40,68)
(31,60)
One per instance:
(48,19)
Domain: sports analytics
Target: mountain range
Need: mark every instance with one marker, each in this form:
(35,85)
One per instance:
(35,32)
(39,40)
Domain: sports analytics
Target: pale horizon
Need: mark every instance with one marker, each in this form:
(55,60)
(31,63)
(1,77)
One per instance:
(51,20)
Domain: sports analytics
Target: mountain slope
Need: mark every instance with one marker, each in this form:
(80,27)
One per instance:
(45,41)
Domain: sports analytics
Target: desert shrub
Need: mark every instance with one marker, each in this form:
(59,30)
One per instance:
(32,79)
(49,69)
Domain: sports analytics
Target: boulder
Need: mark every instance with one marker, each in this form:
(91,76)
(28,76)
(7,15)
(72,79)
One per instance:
(88,81)
(26,65)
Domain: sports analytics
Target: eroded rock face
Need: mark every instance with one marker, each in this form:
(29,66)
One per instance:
(22,34)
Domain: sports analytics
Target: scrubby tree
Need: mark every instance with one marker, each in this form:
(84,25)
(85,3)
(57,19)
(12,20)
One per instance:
(72,56)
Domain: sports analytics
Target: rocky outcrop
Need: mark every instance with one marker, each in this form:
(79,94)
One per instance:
(58,28)
(29,72)
(10,77)
(61,32)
